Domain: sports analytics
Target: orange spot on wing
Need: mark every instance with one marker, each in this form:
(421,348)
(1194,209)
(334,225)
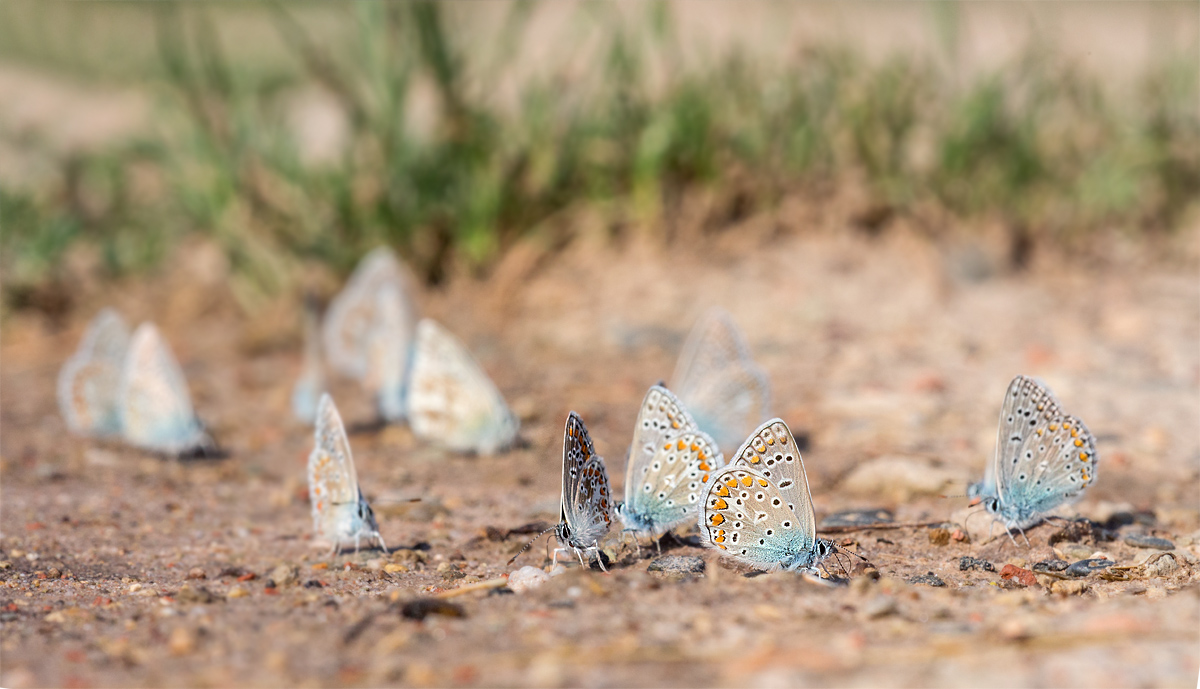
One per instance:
(720,504)
(717,519)
(762,482)
(747,480)
(722,491)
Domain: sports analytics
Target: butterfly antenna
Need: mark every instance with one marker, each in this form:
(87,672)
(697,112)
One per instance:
(530,543)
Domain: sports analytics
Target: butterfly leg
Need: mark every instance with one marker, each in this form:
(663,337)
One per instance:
(599,558)
(382,545)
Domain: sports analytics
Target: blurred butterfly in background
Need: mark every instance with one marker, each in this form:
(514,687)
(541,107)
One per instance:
(354,313)
(758,509)
(1044,458)
(341,514)
(670,460)
(451,401)
(89,382)
(716,378)
(311,383)
(389,348)
(154,405)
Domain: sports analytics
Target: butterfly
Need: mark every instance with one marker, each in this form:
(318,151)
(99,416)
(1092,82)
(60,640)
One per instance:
(585,506)
(340,512)
(89,380)
(758,509)
(311,383)
(389,348)
(1044,458)
(354,313)
(451,401)
(670,460)
(715,376)
(154,405)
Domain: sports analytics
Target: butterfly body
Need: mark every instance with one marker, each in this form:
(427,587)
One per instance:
(758,509)
(670,459)
(155,407)
(585,506)
(725,391)
(89,382)
(341,515)
(451,401)
(1044,458)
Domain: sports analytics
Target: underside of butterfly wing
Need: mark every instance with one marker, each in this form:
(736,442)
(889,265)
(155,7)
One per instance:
(746,517)
(451,401)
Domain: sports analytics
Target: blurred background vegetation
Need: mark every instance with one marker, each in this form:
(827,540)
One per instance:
(292,133)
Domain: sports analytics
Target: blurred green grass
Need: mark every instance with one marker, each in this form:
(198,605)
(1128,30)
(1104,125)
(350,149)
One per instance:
(1039,145)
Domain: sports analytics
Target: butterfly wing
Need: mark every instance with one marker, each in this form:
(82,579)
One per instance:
(586,503)
(660,418)
(716,377)
(155,406)
(1044,457)
(89,381)
(771,451)
(671,485)
(353,313)
(332,479)
(451,400)
(389,346)
(747,517)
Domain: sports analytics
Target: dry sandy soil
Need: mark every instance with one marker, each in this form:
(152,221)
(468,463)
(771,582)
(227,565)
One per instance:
(890,354)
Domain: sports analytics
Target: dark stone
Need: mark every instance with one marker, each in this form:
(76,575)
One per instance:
(1144,541)
(1084,568)
(929,578)
(967,562)
(1122,519)
(1050,566)
(421,608)
(313,584)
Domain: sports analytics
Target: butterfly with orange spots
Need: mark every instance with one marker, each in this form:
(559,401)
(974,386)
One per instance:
(1044,458)
(670,460)
(585,508)
(758,510)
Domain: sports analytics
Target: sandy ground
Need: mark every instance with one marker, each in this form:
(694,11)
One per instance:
(889,354)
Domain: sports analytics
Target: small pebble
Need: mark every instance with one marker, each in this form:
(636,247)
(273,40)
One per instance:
(1018,574)
(198,594)
(1085,567)
(939,536)
(1054,565)
(1142,541)
(196,573)
(929,578)
(677,565)
(237,592)
(392,568)
(284,575)
(526,579)
(967,562)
